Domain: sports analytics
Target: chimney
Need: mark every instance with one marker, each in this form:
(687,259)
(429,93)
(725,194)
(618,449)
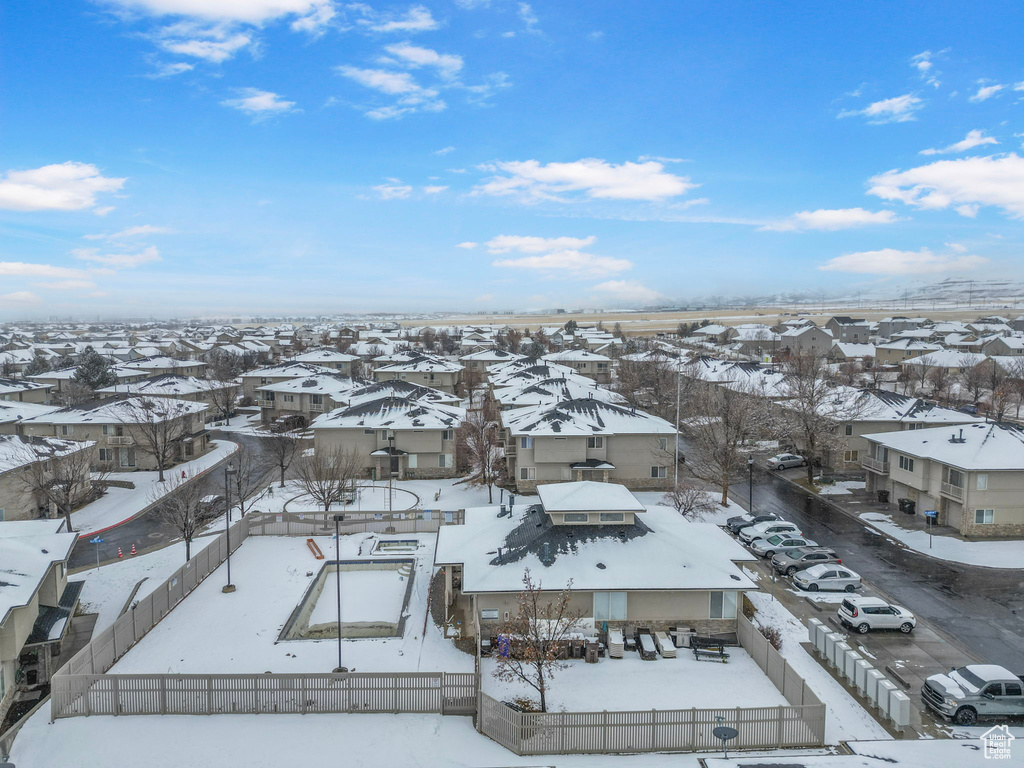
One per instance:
(961,434)
(500,561)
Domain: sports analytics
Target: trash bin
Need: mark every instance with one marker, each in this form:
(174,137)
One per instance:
(883,497)
(902,504)
(911,507)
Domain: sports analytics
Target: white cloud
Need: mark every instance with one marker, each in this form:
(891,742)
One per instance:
(118,260)
(124,234)
(172,69)
(22,269)
(412,97)
(830,220)
(434,189)
(444,151)
(20,297)
(628,291)
(924,64)
(393,191)
(527,244)
(416,19)
(447,64)
(249,11)
(216,50)
(595,178)
(67,186)
(67,285)
(996,180)
(259,104)
(972,140)
(898,109)
(574,263)
(528,17)
(468,245)
(986,92)
(890,261)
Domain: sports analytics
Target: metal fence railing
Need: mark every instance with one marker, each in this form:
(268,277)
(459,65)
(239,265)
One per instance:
(322,524)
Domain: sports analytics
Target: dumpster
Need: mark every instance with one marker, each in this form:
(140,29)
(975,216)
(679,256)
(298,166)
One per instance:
(883,497)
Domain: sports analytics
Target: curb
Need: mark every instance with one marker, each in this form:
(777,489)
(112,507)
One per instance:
(156,503)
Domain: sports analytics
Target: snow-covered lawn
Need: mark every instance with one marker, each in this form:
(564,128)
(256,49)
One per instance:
(630,683)
(846,719)
(107,589)
(718,516)
(993,554)
(842,488)
(215,632)
(368,596)
(120,504)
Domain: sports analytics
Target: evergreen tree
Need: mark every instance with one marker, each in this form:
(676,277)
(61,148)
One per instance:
(94,370)
(38,364)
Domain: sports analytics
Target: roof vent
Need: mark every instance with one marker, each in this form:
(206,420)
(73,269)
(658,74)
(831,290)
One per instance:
(602,566)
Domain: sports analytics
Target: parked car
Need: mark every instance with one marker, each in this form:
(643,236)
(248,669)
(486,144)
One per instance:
(970,409)
(786,461)
(211,505)
(866,613)
(827,578)
(738,523)
(768,528)
(767,547)
(977,690)
(789,561)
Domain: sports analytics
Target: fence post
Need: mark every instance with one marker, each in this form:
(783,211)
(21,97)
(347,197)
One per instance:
(444,688)
(115,695)
(209,694)
(693,727)
(778,727)
(163,694)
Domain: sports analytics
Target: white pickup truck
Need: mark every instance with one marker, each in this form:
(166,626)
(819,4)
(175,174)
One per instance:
(977,690)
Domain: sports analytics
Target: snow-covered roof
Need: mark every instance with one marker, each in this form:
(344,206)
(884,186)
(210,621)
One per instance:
(401,389)
(493,356)
(711,330)
(392,413)
(576,356)
(555,390)
(287,369)
(849,349)
(67,374)
(792,333)
(984,447)
(160,362)
(588,496)
(884,405)
(331,384)
(167,385)
(117,411)
(26,556)
(11,386)
(421,365)
(947,358)
(908,345)
(17,451)
(322,356)
(663,551)
(583,417)
(14,410)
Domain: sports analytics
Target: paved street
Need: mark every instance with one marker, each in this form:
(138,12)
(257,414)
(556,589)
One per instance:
(980,609)
(148,530)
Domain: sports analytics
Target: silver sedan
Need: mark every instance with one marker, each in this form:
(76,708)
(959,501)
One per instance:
(827,578)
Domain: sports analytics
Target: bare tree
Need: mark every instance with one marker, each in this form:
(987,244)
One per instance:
(179,504)
(57,472)
(649,385)
(480,437)
(223,395)
(939,380)
(251,475)
(972,377)
(158,425)
(281,448)
(542,623)
(327,474)
(513,339)
(848,373)
(470,382)
(689,500)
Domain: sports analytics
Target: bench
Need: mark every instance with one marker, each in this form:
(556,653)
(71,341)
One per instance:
(713,654)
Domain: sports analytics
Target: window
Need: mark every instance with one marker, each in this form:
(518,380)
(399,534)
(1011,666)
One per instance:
(526,442)
(609,606)
(1012,689)
(318,399)
(444,460)
(448,434)
(663,443)
(982,483)
(849,429)
(561,438)
(956,478)
(595,442)
(127,457)
(527,473)
(107,429)
(576,517)
(602,367)
(659,472)
(907,463)
(984,516)
(849,456)
(723,605)
(66,430)
(106,455)
(413,461)
(566,473)
(369,431)
(289,398)
(613,517)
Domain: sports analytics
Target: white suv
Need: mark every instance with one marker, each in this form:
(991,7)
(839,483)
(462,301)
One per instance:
(866,613)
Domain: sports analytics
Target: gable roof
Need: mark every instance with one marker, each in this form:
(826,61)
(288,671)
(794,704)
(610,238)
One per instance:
(392,413)
(583,417)
(986,446)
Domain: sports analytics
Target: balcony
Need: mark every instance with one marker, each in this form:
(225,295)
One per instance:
(952,491)
(316,407)
(120,440)
(266,403)
(877,466)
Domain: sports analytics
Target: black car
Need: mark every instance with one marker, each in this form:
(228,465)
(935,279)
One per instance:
(737,524)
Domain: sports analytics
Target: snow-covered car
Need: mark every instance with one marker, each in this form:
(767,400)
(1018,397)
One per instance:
(977,690)
(769,528)
(738,523)
(866,613)
(786,461)
(212,504)
(827,578)
(788,561)
(767,547)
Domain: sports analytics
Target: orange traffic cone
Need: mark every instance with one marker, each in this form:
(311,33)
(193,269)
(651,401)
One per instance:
(133,548)
(119,552)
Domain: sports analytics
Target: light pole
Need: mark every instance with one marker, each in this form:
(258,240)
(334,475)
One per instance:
(337,573)
(675,479)
(229,472)
(750,484)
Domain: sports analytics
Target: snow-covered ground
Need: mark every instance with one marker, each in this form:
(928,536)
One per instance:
(238,632)
(368,596)
(846,719)
(718,516)
(107,588)
(120,504)
(993,554)
(632,683)
(842,488)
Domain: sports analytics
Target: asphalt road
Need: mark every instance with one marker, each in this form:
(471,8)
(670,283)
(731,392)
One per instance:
(979,609)
(148,530)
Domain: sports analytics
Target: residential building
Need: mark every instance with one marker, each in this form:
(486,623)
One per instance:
(307,397)
(848,329)
(1004,346)
(60,380)
(21,459)
(890,326)
(806,340)
(421,369)
(274,374)
(588,439)
(586,363)
(629,566)
(12,413)
(215,394)
(486,359)
(328,358)
(972,476)
(160,365)
(895,352)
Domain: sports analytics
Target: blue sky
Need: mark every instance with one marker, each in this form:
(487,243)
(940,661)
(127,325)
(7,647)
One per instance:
(177,157)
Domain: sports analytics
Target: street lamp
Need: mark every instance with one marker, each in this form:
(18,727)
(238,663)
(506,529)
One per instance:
(229,473)
(750,484)
(337,573)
